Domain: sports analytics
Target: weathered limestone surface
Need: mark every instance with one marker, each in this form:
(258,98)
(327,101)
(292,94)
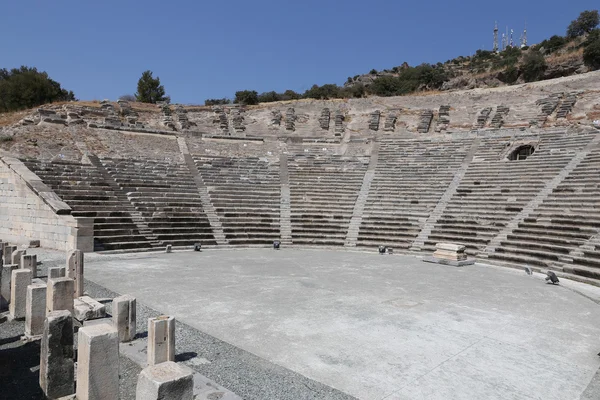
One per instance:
(57,370)
(21,278)
(124,317)
(7,254)
(59,295)
(31,210)
(56,272)
(29,261)
(86,308)
(459,248)
(74,271)
(35,309)
(15,257)
(5,278)
(161,339)
(165,381)
(98,363)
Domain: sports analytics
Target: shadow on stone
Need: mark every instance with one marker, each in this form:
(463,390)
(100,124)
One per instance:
(19,372)
(188,355)
(141,335)
(9,340)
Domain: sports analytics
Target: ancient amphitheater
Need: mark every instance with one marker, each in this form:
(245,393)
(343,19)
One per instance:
(510,173)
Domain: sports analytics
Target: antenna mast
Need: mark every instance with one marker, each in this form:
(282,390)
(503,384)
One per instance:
(495,49)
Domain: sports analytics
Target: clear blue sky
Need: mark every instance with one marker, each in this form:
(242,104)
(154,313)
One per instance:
(210,49)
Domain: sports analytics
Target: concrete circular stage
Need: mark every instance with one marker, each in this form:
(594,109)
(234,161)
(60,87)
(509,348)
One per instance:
(378,326)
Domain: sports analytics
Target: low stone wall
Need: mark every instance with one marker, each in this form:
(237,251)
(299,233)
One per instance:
(30,210)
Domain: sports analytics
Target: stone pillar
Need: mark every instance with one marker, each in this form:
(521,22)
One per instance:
(21,278)
(56,272)
(5,278)
(161,339)
(16,257)
(98,363)
(57,373)
(59,295)
(75,271)
(2,244)
(124,317)
(8,250)
(29,261)
(167,380)
(35,309)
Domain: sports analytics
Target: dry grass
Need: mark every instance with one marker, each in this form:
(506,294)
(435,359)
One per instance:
(559,58)
(13,117)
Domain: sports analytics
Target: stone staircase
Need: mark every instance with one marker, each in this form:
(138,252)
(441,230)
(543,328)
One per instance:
(339,123)
(482,118)
(390,121)
(443,120)
(567,105)
(361,200)
(290,119)
(440,207)
(498,118)
(425,121)
(207,205)
(560,227)
(323,193)
(121,195)
(246,194)
(374,120)
(165,194)
(324,119)
(285,211)
(411,176)
(548,105)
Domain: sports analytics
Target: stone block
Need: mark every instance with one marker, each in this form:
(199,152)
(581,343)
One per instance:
(29,261)
(5,278)
(21,278)
(458,248)
(57,370)
(124,317)
(449,255)
(16,257)
(98,363)
(56,272)
(8,250)
(161,339)
(165,381)
(86,308)
(35,309)
(59,295)
(75,271)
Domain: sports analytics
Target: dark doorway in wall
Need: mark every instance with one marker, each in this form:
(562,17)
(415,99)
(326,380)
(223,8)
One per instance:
(521,152)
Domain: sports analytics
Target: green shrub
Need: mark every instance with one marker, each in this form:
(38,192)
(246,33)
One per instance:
(247,97)
(149,89)
(216,102)
(591,53)
(6,139)
(585,23)
(533,66)
(553,44)
(26,87)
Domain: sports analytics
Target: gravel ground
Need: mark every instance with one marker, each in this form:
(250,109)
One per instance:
(241,372)
(20,367)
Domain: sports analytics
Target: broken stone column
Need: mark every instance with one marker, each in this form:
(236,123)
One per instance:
(29,261)
(161,339)
(124,317)
(85,308)
(21,278)
(59,295)
(56,272)
(5,278)
(57,374)
(35,309)
(8,250)
(75,271)
(97,363)
(16,257)
(167,380)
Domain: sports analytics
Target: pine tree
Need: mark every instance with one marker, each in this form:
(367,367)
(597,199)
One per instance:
(149,89)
